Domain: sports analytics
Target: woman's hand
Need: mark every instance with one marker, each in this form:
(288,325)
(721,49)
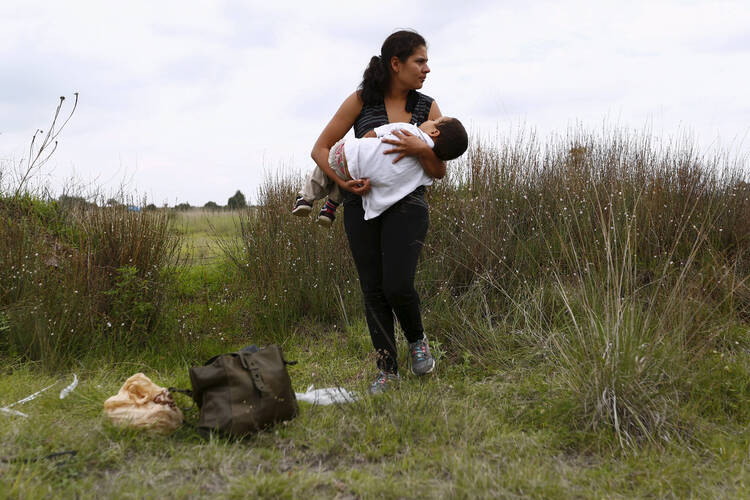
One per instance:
(359,187)
(407,145)
(411,145)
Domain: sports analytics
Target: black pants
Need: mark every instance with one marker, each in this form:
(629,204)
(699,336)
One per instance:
(385,251)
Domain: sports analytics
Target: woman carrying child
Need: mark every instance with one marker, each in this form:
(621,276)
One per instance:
(386,249)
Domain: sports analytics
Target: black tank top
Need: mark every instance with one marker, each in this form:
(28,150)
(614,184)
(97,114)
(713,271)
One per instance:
(375,115)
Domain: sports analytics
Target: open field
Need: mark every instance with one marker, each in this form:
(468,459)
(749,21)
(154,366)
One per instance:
(587,302)
(202,232)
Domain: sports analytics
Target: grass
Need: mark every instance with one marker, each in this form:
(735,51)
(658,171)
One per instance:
(203,232)
(478,434)
(78,281)
(586,298)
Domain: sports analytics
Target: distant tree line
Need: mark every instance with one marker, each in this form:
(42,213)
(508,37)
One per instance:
(235,202)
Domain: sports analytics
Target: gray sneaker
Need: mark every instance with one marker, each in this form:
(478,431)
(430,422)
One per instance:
(383,382)
(422,361)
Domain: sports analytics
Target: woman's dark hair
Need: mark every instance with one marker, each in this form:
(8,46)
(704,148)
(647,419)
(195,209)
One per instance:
(377,76)
(452,141)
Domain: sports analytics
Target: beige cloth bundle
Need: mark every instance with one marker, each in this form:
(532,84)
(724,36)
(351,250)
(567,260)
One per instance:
(143,405)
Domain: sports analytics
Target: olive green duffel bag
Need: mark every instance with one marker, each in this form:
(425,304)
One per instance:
(242,392)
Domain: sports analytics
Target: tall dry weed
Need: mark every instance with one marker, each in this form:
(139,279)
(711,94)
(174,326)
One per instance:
(642,243)
(293,269)
(81,280)
(614,256)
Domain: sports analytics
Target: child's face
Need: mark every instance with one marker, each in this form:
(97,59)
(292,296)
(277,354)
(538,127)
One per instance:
(430,126)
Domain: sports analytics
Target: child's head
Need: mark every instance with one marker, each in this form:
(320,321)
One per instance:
(449,136)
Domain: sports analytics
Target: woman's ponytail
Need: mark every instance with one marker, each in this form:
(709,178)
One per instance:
(376,77)
(374,80)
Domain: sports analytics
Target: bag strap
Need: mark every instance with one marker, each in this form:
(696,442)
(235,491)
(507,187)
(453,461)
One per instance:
(186,392)
(212,359)
(286,363)
(51,456)
(250,365)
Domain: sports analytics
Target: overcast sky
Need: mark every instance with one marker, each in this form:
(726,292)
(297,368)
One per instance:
(190,101)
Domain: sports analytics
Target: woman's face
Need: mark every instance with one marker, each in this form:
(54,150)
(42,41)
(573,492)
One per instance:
(413,72)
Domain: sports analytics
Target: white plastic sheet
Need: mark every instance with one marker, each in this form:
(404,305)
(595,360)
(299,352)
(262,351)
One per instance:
(63,394)
(16,413)
(68,389)
(326,396)
(31,396)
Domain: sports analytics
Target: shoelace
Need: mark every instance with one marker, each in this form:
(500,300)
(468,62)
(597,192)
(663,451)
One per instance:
(381,380)
(420,351)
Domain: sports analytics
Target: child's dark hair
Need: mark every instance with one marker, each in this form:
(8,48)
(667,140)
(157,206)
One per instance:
(452,141)
(377,76)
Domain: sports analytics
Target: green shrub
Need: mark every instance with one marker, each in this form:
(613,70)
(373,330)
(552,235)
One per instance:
(131,302)
(81,280)
(292,269)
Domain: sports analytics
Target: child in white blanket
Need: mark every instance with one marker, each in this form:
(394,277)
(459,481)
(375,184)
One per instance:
(365,159)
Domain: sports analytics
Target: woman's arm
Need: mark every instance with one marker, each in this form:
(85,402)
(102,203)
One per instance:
(339,125)
(409,145)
